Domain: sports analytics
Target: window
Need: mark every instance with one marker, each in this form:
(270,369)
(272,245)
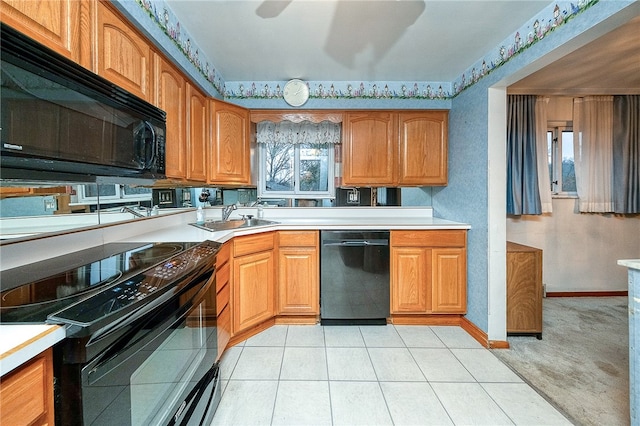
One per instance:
(297,160)
(296,171)
(562,174)
(111,193)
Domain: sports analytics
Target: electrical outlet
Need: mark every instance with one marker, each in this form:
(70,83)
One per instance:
(353,197)
(50,204)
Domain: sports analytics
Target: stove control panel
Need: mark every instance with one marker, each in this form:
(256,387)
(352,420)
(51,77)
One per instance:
(165,274)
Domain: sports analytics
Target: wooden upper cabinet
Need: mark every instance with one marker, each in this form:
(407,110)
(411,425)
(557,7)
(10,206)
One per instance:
(423,148)
(197,134)
(370,142)
(61,25)
(170,97)
(230,162)
(391,148)
(121,54)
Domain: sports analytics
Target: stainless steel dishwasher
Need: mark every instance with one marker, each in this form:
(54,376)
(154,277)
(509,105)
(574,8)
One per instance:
(354,277)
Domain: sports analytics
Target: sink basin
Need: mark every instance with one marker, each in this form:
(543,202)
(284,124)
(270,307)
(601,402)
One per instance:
(220,225)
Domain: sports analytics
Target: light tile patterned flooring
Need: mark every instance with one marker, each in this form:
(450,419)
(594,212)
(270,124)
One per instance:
(373,375)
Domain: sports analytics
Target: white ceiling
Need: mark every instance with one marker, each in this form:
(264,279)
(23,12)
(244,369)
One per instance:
(330,40)
(390,40)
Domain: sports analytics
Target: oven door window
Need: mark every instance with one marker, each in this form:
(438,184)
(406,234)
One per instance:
(144,378)
(162,379)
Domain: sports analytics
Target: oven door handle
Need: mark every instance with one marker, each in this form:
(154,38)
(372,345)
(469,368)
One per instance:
(195,396)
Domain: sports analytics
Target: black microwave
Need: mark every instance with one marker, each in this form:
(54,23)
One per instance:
(60,122)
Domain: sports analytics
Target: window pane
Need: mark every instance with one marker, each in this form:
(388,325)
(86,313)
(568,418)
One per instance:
(314,163)
(568,168)
(279,160)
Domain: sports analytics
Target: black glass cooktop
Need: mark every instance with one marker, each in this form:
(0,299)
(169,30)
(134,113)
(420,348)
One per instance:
(29,293)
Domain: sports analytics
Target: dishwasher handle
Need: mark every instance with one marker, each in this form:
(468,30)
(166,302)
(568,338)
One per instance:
(355,243)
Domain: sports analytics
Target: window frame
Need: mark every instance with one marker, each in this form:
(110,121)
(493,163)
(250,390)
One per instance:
(556,128)
(296,193)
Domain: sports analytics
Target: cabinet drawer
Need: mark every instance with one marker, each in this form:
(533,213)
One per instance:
(222,276)
(224,330)
(222,299)
(298,238)
(253,244)
(418,238)
(223,255)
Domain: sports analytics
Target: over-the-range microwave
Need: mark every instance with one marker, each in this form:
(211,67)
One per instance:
(63,123)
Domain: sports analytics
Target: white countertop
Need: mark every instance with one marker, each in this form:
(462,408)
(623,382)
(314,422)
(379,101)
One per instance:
(630,263)
(19,343)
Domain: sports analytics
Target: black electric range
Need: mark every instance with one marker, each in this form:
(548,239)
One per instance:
(30,293)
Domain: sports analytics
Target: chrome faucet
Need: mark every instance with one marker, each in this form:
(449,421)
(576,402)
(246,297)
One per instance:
(226,211)
(132,211)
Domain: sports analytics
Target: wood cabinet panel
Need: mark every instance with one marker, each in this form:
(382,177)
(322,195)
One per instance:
(122,55)
(428,272)
(61,25)
(230,162)
(298,280)
(423,148)
(253,243)
(524,289)
(253,290)
(370,142)
(197,135)
(409,289)
(448,280)
(413,238)
(298,238)
(224,329)
(26,394)
(391,148)
(170,97)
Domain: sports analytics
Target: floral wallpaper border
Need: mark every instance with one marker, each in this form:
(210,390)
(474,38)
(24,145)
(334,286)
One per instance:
(537,29)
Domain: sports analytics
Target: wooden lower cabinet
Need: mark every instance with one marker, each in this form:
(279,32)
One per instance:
(253,282)
(26,394)
(298,273)
(223,296)
(428,272)
(524,289)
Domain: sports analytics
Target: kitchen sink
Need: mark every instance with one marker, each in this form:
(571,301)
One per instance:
(225,225)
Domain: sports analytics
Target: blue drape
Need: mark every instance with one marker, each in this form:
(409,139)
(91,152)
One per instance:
(626,154)
(523,195)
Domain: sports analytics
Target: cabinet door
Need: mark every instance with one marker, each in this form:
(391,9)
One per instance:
(298,286)
(370,145)
(253,290)
(449,280)
(197,134)
(423,148)
(56,24)
(122,55)
(230,163)
(410,280)
(524,289)
(170,97)
(26,395)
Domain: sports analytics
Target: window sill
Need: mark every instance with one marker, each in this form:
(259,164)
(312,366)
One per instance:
(563,196)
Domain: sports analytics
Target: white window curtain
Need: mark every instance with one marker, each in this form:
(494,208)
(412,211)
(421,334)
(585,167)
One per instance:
(593,151)
(306,132)
(544,183)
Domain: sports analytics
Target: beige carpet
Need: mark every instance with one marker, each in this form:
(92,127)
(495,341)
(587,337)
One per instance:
(581,364)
